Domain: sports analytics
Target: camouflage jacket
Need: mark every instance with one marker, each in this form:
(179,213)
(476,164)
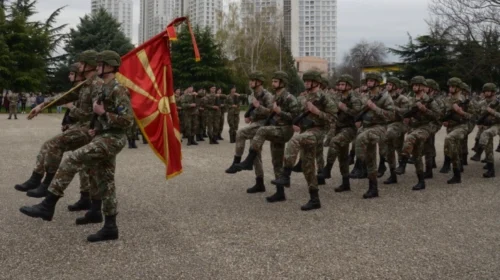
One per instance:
(178,102)
(328,111)
(382,114)
(449,102)
(265,99)
(13,98)
(491,119)
(222,100)
(354,106)
(119,115)
(289,108)
(233,99)
(186,101)
(429,117)
(200,103)
(211,100)
(401,106)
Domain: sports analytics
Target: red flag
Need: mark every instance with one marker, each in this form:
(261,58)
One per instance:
(147,72)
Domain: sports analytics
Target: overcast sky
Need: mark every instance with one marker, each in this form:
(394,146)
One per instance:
(387,21)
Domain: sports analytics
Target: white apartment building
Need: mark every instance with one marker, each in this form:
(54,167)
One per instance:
(121,10)
(203,12)
(312,27)
(155,15)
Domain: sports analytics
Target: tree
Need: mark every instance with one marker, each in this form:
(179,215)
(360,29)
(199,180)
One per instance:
(5,58)
(295,83)
(98,31)
(361,55)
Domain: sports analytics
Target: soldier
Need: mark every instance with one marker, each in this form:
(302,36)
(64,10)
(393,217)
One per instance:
(359,171)
(421,117)
(481,105)
(233,113)
(178,102)
(203,114)
(319,111)
(222,101)
(114,117)
(256,116)
(489,122)
(404,87)
(344,131)
(51,152)
(320,160)
(473,110)
(191,115)
(396,129)
(212,103)
(278,130)
(429,145)
(379,109)
(13,99)
(456,123)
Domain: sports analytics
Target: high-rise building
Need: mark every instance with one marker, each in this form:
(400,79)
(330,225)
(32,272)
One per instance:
(121,10)
(202,12)
(311,28)
(252,7)
(155,15)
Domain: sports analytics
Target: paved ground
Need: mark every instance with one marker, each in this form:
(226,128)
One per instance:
(203,225)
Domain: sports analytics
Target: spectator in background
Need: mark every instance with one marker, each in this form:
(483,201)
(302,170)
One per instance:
(48,98)
(39,99)
(24,99)
(32,100)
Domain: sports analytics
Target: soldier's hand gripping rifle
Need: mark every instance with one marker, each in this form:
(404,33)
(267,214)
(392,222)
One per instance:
(302,116)
(483,120)
(95,116)
(367,109)
(451,115)
(252,108)
(270,119)
(413,113)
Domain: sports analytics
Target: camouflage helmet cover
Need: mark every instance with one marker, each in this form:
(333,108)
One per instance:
(464,87)
(74,68)
(282,76)
(325,82)
(432,84)
(489,87)
(312,75)
(109,57)
(395,81)
(454,82)
(258,76)
(418,80)
(346,78)
(374,76)
(88,57)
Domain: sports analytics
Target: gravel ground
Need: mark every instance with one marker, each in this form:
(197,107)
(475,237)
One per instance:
(203,225)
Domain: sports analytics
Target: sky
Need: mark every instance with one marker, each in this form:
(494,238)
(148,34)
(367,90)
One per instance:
(386,21)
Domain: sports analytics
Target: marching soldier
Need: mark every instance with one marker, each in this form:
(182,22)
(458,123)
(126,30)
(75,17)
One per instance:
(191,115)
(203,114)
(320,111)
(233,113)
(222,100)
(213,105)
(490,124)
(429,145)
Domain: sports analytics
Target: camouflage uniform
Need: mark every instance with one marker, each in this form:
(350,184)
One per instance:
(429,145)
(491,127)
(13,99)
(213,116)
(373,131)
(203,113)
(180,111)
(312,129)
(223,111)
(233,114)
(191,117)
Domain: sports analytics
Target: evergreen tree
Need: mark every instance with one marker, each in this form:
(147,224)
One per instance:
(295,83)
(5,58)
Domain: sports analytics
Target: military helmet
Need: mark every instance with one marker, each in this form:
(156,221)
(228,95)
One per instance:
(464,87)
(454,82)
(257,75)
(74,68)
(395,81)
(325,82)
(312,75)
(346,78)
(404,84)
(111,58)
(88,57)
(432,84)
(282,76)
(489,87)
(363,82)
(374,76)
(418,80)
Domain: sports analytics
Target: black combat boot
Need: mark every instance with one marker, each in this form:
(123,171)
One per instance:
(498,148)
(446,165)
(44,209)
(247,164)
(184,136)
(411,160)
(232,138)
(457,177)
(144,140)
(372,187)
(233,169)
(402,166)
(381,167)
(33,182)
(421,182)
(428,169)
(278,196)
(327,170)
(464,160)
(193,142)
(108,232)
(477,155)
(259,186)
(476,145)
(313,202)
(82,204)
(298,167)
(485,166)
(490,171)
(43,188)
(346,185)
(93,216)
(364,171)
(190,142)
(219,137)
(352,154)
(434,165)
(321,180)
(129,144)
(393,178)
(132,144)
(199,138)
(284,180)
(356,170)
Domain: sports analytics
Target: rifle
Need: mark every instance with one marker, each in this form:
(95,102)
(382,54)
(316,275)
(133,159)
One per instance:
(252,108)
(302,116)
(95,116)
(414,110)
(483,119)
(270,119)
(451,115)
(367,109)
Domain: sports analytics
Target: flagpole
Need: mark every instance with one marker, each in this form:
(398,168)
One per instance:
(59,98)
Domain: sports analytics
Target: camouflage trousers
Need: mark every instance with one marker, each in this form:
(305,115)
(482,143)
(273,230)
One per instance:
(13,110)
(320,158)
(233,120)
(465,143)
(181,120)
(480,130)
(248,133)
(132,131)
(278,136)
(306,142)
(453,142)
(51,152)
(486,141)
(213,121)
(414,145)
(366,146)
(202,122)
(221,122)
(191,125)
(394,141)
(100,157)
(339,147)
(85,180)
(430,144)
